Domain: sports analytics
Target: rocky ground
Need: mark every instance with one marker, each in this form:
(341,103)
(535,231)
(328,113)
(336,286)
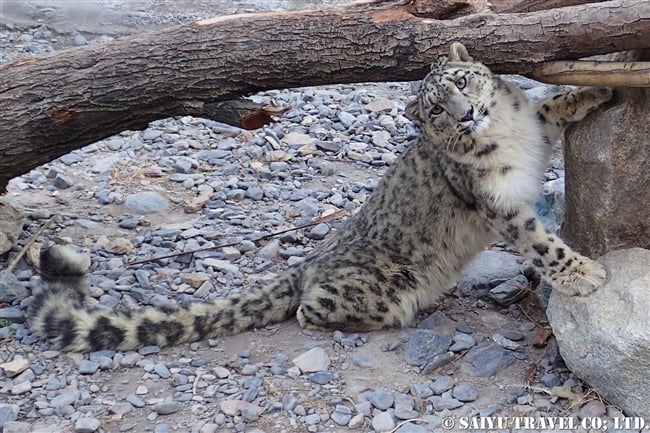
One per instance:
(186,183)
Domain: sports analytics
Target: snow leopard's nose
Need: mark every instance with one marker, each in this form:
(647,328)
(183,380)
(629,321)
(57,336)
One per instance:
(469,115)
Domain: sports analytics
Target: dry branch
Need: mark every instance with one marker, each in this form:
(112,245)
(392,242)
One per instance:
(584,73)
(52,104)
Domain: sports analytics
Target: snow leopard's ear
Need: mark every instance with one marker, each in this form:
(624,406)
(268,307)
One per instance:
(458,53)
(412,111)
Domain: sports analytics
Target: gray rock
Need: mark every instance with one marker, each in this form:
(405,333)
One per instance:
(12,216)
(364,361)
(486,359)
(254,193)
(312,419)
(10,288)
(488,266)
(321,377)
(17,427)
(442,403)
(409,427)
(381,399)
(86,425)
(104,165)
(8,413)
(135,401)
(62,182)
(146,202)
(424,345)
(437,362)
(65,398)
(346,118)
(167,407)
(462,341)
(383,422)
(510,291)
(161,370)
(289,402)
(607,158)
(80,40)
(438,322)
(550,204)
(161,428)
(442,384)
(604,338)
(318,232)
(465,392)
(421,390)
(313,360)
(341,415)
(12,314)
(88,367)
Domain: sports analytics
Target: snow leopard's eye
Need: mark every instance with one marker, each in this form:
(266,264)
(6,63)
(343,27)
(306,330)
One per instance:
(436,109)
(461,83)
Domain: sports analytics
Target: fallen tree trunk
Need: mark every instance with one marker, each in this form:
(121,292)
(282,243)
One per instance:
(52,104)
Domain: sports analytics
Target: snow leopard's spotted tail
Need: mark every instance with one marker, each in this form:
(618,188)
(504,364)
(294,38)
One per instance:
(57,312)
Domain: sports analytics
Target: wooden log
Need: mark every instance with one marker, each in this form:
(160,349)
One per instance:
(55,103)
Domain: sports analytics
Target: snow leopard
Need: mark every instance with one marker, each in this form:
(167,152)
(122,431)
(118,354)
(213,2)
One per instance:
(470,178)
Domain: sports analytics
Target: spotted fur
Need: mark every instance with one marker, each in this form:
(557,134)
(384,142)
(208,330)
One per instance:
(470,177)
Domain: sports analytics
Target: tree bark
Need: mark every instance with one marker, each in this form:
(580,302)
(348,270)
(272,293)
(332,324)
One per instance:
(52,104)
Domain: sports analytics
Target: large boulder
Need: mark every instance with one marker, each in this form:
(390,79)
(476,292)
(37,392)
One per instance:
(12,217)
(607,160)
(604,338)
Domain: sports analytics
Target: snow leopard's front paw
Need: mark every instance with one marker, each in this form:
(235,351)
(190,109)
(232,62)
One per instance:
(581,277)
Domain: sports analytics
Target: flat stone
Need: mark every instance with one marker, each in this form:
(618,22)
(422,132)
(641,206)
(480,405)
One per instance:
(341,415)
(88,367)
(442,403)
(437,362)
(297,139)
(488,266)
(486,359)
(237,407)
(465,392)
(11,290)
(146,202)
(604,338)
(462,341)
(438,322)
(510,291)
(167,407)
(442,384)
(15,367)
(313,360)
(383,422)
(221,265)
(86,425)
(321,377)
(65,398)
(381,399)
(424,345)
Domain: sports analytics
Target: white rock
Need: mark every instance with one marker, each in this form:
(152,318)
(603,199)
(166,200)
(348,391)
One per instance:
(383,422)
(15,367)
(315,359)
(297,139)
(604,337)
(221,265)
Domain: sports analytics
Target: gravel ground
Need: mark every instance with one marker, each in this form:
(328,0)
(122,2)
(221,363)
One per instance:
(188,183)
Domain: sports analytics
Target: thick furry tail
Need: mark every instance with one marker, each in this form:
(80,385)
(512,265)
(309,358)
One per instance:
(57,312)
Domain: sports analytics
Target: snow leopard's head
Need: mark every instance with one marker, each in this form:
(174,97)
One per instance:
(452,103)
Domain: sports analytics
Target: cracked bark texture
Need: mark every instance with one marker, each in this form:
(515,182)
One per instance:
(52,104)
